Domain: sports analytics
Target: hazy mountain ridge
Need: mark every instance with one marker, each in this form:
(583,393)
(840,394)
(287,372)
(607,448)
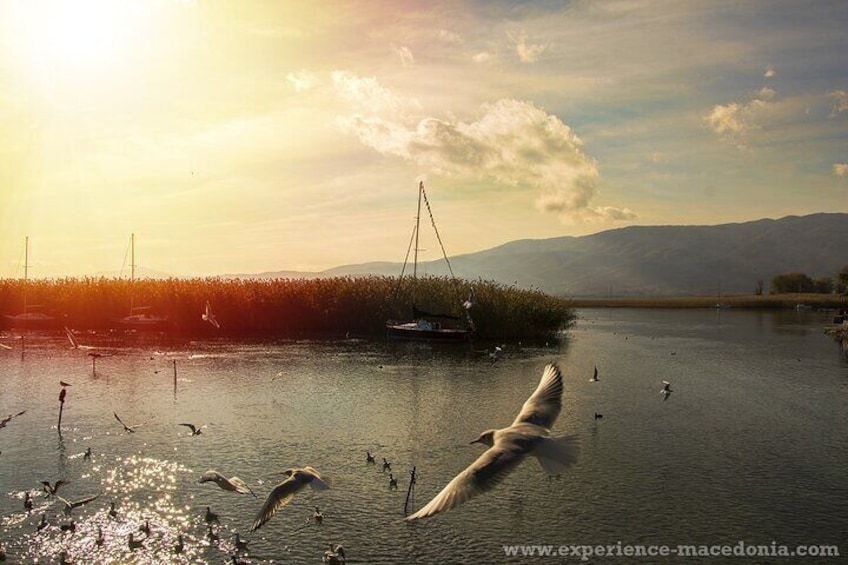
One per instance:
(650,260)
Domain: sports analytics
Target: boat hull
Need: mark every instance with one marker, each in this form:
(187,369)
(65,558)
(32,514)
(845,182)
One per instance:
(417,331)
(30,320)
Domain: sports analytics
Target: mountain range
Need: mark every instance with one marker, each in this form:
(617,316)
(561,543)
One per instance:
(648,260)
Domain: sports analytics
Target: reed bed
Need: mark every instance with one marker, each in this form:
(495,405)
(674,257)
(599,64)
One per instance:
(290,307)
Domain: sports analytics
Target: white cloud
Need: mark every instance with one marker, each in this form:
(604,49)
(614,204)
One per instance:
(481,57)
(770,72)
(366,94)
(840,169)
(449,37)
(766,93)
(736,119)
(406,57)
(302,80)
(527,53)
(512,142)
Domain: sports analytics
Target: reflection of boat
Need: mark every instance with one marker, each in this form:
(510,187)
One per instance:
(428,326)
(33,315)
(140,317)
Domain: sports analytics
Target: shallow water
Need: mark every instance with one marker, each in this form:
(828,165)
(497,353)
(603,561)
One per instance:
(751,446)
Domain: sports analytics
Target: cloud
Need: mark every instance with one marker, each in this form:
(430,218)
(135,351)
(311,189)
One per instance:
(406,57)
(840,103)
(481,57)
(366,94)
(840,169)
(736,119)
(512,142)
(770,72)
(449,37)
(526,53)
(302,80)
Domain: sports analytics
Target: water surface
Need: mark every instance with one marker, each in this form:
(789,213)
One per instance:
(752,445)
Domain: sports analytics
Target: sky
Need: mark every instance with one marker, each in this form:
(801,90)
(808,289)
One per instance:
(250,136)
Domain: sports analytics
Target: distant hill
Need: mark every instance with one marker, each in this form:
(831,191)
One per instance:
(650,260)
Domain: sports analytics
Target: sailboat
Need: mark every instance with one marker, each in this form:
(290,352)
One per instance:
(140,317)
(32,316)
(426,326)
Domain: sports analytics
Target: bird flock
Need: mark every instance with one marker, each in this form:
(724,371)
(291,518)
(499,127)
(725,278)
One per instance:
(529,436)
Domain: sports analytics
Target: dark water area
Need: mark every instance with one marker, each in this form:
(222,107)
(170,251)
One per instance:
(752,445)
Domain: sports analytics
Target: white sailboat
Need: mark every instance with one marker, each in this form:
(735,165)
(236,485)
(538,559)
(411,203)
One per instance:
(32,316)
(140,317)
(427,326)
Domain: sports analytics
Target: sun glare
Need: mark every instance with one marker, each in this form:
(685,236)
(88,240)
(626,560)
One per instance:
(78,35)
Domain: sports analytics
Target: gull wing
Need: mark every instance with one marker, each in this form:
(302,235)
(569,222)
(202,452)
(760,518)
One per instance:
(191,427)
(544,405)
(6,347)
(279,497)
(481,476)
(241,486)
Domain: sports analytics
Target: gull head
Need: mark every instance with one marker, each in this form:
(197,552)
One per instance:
(486,438)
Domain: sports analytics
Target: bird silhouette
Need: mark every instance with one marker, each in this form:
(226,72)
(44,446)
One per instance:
(233,484)
(194,430)
(208,316)
(128,429)
(282,494)
(529,434)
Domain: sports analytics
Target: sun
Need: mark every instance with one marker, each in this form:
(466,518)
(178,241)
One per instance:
(77,35)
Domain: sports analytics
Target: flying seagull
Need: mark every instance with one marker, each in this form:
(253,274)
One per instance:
(233,484)
(208,316)
(128,429)
(529,434)
(194,430)
(666,390)
(285,491)
(70,505)
(51,490)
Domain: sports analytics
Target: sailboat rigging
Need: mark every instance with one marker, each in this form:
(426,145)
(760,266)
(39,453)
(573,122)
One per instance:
(32,316)
(140,317)
(424,325)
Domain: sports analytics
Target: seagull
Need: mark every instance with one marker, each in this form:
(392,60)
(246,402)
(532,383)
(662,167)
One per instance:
(27,500)
(52,489)
(134,543)
(282,494)
(100,539)
(496,353)
(368,457)
(598,416)
(87,455)
(43,523)
(594,378)
(194,431)
(239,543)
(234,484)
(8,418)
(113,512)
(178,547)
(666,390)
(208,316)
(335,555)
(211,516)
(529,434)
(145,528)
(6,347)
(69,526)
(128,429)
(211,534)
(317,515)
(386,465)
(392,481)
(69,505)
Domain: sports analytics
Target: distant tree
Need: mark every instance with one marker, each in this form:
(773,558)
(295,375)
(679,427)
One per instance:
(791,282)
(841,285)
(758,290)
(823,285)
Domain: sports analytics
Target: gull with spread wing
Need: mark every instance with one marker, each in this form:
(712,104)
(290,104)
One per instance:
(285,491)
(529,434)
(233,484)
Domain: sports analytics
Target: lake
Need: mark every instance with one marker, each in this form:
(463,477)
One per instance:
(751,447)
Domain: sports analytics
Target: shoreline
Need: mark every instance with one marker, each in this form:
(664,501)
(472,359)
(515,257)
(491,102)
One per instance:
(772,301)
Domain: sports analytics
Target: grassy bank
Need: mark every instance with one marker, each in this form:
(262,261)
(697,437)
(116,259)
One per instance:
(290,307)
(773,301)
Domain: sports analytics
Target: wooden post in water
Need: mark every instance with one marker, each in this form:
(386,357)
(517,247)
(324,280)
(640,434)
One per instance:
(409,491)
(23,347)
(61,407)
(175,376)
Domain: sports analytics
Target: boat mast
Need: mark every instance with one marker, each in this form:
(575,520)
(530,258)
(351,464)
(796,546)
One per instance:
(26,270)
(132,272)
(415,256)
